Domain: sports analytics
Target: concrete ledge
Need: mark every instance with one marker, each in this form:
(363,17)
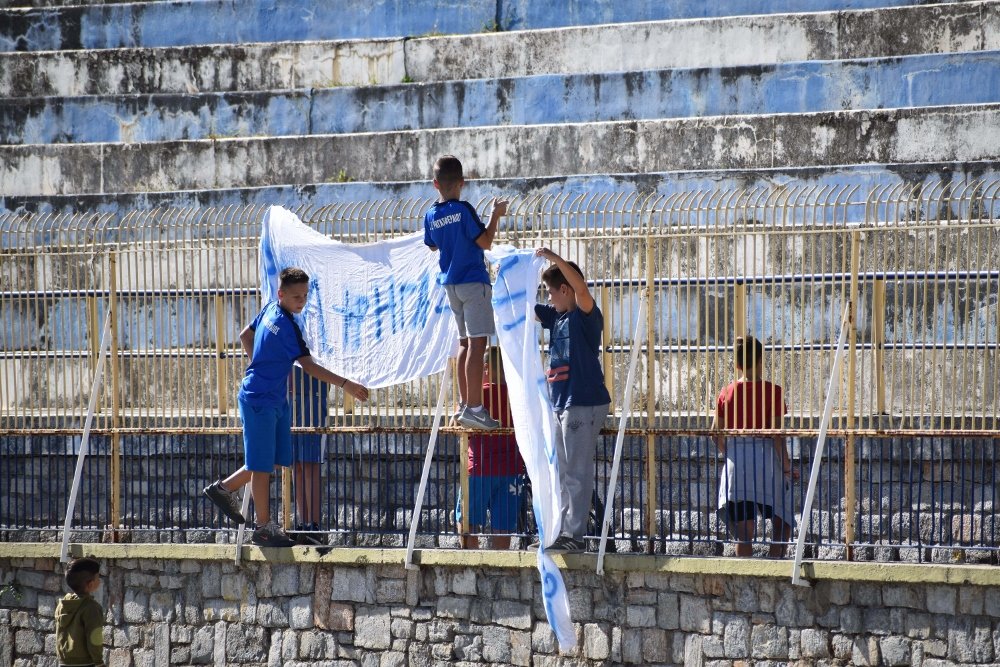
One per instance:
(197,69)
(969,26)
(749,40)
(911,81)
(865,177)
(976,575)
(234,21)
(736,142)
(230,21)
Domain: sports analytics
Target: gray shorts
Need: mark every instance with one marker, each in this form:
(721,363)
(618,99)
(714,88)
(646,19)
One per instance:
(473,308)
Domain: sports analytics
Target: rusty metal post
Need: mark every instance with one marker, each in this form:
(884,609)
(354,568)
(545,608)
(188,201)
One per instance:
(607,359)
(222,377)
(651,462)
(878,343)
(463,477)
(116,438)
(850,454)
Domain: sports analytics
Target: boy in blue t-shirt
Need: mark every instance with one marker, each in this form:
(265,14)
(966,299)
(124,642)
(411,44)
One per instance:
(453,228)
(273,341)
(576,386)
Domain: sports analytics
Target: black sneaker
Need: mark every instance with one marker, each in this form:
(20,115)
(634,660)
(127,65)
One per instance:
(307,535)
(566,545)
(227,501)
(271,535)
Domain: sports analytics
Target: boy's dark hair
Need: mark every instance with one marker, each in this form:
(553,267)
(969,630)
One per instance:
(748,351)
(293,276)
(80,573)
(553,276)
(448,170)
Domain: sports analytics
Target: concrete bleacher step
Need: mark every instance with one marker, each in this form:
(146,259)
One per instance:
(583,187)
(749,40)
(151,24)
(949,133)
(910,81)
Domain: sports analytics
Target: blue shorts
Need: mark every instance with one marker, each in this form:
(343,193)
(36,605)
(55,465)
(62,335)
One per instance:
(267,436)
(499,495)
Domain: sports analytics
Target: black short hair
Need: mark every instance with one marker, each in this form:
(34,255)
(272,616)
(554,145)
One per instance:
(748,351)
(553,276)
(80,573)
(293,276)
(448,170)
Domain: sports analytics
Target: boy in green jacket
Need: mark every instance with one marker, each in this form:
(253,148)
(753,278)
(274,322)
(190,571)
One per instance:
(79,617)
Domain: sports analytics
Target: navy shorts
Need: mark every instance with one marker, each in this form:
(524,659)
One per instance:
(746,510)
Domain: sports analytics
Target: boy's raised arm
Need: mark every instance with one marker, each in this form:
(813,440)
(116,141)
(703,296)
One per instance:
(584,299)
(485,240)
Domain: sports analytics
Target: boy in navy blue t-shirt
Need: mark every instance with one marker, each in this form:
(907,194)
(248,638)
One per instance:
(576,387)
(273,341)
(453,228)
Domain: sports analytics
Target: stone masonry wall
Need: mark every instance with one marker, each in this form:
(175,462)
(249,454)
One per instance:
(368,610)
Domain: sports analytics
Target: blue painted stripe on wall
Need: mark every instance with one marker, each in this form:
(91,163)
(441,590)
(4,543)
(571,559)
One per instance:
(528,14)
(911,81)
(190,22)
(865,177)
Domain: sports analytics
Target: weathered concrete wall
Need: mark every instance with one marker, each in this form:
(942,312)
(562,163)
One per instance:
(852,137)
(912,81)
(748,40)
(973,26)
(182,606)
(235,68)
(866,177)
(178,23)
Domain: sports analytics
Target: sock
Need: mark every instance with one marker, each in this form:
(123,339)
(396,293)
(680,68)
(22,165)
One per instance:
(478,408)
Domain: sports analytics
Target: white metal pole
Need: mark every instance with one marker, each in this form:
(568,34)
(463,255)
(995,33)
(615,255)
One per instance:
(85,441)
(609,496)
(428,457)
(243,526)
(824,423)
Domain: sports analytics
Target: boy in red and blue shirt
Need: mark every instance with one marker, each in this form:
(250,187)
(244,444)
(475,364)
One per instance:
(495,468)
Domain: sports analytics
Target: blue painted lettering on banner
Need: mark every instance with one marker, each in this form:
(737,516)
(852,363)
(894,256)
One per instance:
(267,257)
(549,586)
(388,309)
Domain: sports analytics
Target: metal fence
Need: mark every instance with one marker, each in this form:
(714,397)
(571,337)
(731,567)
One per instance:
(912,464)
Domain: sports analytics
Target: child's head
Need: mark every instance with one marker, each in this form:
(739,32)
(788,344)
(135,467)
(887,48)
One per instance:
(561,293)
(748,352)
(448,178)
(293,289)
(494,366)
(83,575)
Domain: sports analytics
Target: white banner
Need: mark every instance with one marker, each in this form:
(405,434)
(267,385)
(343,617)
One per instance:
(534,421)
(375,313)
